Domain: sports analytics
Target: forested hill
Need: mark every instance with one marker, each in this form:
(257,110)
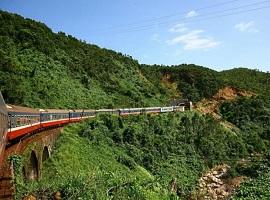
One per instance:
(45,69)
(197,82)
(40,68)
(251,80)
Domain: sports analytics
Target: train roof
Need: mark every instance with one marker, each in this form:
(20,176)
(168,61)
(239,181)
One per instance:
(13,108)
(22,109)
(104,110)
(56,110)
(152,108)
(65,110)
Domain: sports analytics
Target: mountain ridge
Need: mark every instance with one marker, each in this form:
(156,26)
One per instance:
(40,68)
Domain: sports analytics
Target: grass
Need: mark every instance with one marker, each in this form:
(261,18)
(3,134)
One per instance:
(80,169)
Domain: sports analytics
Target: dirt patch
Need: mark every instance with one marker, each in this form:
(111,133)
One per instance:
(229,93)
(210,106)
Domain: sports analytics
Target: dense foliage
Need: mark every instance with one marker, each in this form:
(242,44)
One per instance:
(255,188)
(249,80)
(135,157)
(252,116)
(193,82)
(39,68)
(196,82)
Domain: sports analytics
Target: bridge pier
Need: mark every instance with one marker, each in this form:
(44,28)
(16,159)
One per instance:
(7,188)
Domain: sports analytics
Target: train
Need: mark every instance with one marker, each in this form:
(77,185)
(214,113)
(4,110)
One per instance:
(17,122)
(22,123)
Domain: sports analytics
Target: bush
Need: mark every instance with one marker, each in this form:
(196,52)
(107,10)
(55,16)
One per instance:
(127,161)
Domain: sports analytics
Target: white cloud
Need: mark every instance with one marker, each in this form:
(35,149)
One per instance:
(155,38)
(246,27)
(192,13)
(194,40)
(178,28)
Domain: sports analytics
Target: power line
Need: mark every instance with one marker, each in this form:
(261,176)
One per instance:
(169,16)
(184,19)
(147,27)
(224,11)
(192,21)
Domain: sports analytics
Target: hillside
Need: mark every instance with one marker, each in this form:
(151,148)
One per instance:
(190,81)
(226,94)
(246,79)
(111,157)
(40,68)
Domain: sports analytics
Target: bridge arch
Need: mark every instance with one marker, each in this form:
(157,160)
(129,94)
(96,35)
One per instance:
(45,153)
(33,170)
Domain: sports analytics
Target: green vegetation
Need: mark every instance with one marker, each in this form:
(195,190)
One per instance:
(255,188)
(249,80)
(196,82)
(42,69)
(252,116)
(193,82)
(39,68)
(135,157)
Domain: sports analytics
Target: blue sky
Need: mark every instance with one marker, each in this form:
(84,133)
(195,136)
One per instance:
(220,34)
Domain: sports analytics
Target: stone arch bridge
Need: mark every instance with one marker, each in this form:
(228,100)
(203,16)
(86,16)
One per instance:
(35,150)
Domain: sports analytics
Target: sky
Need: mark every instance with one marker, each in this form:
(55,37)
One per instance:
(220,34)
